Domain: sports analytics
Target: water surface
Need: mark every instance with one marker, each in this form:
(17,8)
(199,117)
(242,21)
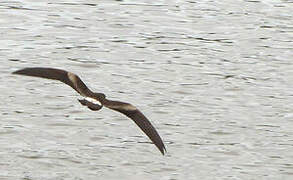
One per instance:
(215,79)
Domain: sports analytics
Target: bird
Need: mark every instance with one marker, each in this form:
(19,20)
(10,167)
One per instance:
(95,101)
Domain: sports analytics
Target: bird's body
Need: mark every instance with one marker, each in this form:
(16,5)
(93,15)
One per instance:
(95,101)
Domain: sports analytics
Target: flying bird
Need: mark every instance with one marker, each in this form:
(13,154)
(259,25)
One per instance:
(95,101)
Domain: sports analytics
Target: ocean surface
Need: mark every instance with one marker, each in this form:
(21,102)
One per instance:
(214,77)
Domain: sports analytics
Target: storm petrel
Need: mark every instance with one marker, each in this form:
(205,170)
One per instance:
(95,101)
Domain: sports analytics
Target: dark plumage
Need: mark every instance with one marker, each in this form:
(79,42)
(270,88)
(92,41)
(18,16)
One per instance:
(92,98)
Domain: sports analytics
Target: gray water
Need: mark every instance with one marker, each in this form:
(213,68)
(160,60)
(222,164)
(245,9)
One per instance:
(214,77)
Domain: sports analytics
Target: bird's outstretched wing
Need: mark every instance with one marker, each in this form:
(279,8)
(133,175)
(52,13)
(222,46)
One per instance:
(144,124)
(57,74)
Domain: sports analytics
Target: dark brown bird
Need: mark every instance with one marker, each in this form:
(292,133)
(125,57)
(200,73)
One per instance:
(95,101)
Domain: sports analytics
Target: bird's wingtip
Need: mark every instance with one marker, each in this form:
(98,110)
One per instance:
(24,71)
(14,72)
(18,71)
(163,150)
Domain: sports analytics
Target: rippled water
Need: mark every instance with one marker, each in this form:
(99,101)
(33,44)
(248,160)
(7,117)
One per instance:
(214,77)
